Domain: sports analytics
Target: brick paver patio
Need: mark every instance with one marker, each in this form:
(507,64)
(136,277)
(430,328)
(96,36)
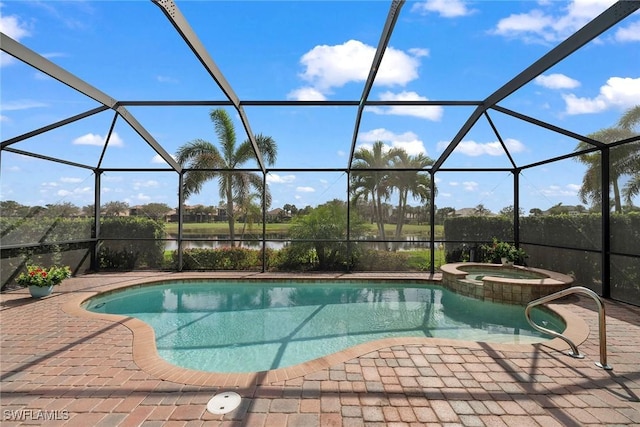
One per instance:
(58,368)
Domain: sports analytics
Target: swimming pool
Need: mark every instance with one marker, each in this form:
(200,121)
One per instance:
(235,326)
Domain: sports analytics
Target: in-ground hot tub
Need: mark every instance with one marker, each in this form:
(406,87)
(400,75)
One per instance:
(500,283)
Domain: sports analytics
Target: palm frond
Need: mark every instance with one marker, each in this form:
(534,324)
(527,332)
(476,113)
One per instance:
(225,131)
(630,119)
(631,189)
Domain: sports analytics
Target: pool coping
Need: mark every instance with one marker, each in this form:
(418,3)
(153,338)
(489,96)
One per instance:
(146,356)
(549,277)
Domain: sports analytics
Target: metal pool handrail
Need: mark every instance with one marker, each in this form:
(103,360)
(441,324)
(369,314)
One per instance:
(601,321)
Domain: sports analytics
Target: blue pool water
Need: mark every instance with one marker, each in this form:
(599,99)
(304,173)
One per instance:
(248,327)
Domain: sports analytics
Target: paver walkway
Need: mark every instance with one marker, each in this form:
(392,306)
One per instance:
(60,369)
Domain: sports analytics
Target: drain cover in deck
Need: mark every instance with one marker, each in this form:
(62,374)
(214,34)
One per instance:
(223,403)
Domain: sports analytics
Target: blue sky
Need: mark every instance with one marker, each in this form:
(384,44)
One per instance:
(311,50)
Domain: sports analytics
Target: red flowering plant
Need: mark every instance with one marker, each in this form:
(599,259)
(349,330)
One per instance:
(43,278)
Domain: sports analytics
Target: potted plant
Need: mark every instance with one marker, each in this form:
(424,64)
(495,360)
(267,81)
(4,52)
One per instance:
(504,252)
(41,281)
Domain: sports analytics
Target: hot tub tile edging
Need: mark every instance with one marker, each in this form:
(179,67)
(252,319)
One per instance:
(500,289)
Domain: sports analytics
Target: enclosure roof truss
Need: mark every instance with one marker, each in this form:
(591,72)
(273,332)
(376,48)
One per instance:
(614,14)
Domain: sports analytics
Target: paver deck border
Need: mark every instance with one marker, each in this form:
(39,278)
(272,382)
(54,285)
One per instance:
(146,356)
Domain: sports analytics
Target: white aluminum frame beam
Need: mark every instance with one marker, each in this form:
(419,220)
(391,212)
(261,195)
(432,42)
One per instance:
(387,31)
(26,55)
(181,25)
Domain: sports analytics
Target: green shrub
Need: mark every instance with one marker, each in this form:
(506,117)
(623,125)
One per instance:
(227,258)
(295,257)
(112,259)
(376,260)
(320,239)
(131,239)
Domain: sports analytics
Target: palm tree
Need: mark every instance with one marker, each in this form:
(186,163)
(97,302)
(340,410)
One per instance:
(623,160)
(629,120)
(204,162)
(414,183)
(481,210)
(373,184)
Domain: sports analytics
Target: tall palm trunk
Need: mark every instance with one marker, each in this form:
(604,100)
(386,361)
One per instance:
(380,219)
(616,195)
(402,208)
(400,215)
(230,217)
(379,216)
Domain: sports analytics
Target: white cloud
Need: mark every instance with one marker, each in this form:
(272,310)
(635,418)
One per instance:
(556,81)
(22,104)
(630,33)
(341,153)
(274,178)
(151,183)
(408,141)
(305,189)
(575,105)
(328,67)
(12,26)
(429,112)
(557,190)
(470,186)
(524,23)
(445,8)
(419,51)
(75,192)
(97,140)
(475,149)
(4,119)
(158,159)
(70,180)
(412,147)
(540,26)
(306,94)
(619,92)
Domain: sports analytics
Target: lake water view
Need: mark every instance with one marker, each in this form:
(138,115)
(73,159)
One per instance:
(273,241)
